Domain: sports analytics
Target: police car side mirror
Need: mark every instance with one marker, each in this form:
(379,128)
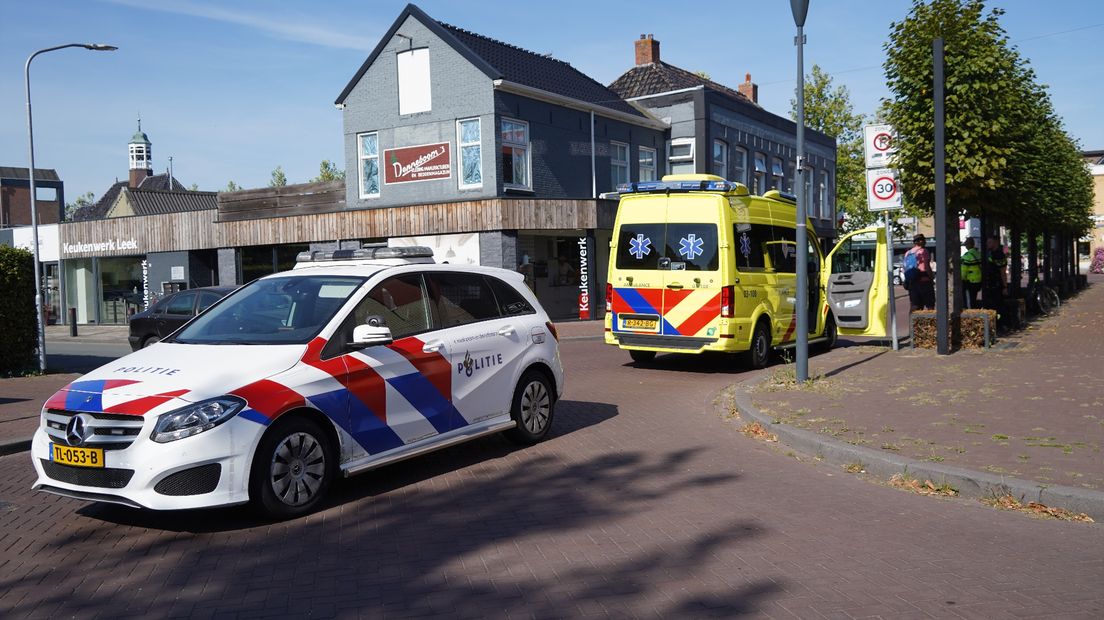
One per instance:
(373,333)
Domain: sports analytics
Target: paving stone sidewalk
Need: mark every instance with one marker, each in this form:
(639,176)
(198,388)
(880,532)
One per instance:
(1032,408)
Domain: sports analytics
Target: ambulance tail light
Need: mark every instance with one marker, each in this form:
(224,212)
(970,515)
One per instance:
(728,301)
(609,297)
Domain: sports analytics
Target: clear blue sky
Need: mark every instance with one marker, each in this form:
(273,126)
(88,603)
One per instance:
(232,89)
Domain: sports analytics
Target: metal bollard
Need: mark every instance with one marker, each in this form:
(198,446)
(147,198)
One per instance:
(72,322)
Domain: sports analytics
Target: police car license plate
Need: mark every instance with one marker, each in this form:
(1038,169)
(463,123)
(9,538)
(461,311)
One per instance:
(638,324)
(77,457)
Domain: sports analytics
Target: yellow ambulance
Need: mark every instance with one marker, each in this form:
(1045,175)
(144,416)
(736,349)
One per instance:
(698,264)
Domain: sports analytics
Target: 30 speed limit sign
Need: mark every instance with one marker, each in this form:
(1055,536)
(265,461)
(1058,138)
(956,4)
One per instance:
(883,192)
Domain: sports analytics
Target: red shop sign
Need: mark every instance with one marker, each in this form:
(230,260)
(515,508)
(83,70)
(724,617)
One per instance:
(427,162)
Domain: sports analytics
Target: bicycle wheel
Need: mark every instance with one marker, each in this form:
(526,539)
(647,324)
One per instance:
(1052,299)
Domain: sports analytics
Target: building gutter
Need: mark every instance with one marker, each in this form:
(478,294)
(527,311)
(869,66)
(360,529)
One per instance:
(648,121)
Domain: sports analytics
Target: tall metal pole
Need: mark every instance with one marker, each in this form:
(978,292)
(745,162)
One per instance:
(942,342)
(800,9)
(40,324)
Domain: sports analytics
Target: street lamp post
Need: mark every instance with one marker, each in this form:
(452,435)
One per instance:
(34,205)
(800,8)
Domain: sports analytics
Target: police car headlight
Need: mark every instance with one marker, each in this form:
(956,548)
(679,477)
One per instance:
(195,419)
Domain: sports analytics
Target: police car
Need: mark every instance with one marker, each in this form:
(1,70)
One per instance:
(352,360)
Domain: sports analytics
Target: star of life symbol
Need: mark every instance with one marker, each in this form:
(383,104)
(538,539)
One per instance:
(745,245)
(691,246)
(638,247)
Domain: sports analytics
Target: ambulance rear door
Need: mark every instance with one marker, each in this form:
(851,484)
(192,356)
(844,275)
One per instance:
(636,298)
(691,268)
(854,276)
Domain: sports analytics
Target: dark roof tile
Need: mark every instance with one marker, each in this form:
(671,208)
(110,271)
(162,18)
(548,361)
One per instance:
(157,202)
(660,77)
(20,174)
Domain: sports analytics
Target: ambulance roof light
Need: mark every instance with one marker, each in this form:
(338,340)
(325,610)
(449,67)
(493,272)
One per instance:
(661,187)
(369,252)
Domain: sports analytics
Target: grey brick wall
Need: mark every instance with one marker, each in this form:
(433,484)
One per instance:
(458,91)
(228,267)
(499,249)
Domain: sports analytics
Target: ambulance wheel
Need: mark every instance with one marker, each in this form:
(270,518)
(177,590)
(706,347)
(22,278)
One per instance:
(532,408)
(758,356)
(831,333)
(292,469)
(642,357)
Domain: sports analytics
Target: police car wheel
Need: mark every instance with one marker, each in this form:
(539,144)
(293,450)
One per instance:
(642,357)
(292,469)
(532,408)
(758,356)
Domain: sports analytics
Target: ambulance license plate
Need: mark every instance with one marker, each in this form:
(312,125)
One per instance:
(647,325)
(77,457)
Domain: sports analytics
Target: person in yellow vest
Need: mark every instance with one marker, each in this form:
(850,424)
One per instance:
(971,273)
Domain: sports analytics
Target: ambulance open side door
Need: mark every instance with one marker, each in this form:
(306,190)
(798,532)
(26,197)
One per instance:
(855,280)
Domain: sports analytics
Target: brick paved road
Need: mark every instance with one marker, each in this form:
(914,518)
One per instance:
(645,503)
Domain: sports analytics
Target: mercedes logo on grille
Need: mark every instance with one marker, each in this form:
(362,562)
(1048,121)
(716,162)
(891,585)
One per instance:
(78,430)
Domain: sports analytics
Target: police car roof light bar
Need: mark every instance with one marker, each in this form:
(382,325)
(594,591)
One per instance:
(366,253)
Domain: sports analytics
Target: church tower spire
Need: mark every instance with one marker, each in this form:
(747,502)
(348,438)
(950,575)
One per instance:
(141,156)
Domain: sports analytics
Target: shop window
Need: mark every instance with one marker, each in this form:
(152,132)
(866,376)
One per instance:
(680,155)
(739,165)
(647,159)
(720,158)
(515,154)
(368,155)
(619,164)
(760,184)
(414,82)
(471,153)
(463,298)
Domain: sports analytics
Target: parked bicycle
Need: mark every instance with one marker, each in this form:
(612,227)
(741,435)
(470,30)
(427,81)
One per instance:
(1041,299)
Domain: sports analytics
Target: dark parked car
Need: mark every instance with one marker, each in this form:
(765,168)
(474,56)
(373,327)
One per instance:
(170,312)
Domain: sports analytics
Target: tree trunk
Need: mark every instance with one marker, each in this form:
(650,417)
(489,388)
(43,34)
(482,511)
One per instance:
(1032,255)
(1015,270)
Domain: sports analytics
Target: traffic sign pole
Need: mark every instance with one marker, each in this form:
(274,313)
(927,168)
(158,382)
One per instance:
(891,307)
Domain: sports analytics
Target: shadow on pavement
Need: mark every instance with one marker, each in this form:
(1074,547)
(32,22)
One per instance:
(419,545)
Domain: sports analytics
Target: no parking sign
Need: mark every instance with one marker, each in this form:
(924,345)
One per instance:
(883,192)
(879,145)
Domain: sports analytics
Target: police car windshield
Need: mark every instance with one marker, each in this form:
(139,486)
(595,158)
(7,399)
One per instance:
(284,310)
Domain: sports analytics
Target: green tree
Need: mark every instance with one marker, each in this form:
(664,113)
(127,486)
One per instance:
(279,179)
(231,186)
(982,91)
(194,187)
(828,110)
(84,200)
(328,171)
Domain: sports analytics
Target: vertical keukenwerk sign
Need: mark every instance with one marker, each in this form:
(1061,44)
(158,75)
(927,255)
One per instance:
(584,277)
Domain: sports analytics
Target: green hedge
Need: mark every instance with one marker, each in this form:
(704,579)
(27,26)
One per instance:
(18,332)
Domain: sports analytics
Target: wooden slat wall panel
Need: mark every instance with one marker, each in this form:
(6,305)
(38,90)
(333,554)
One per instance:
(199,230)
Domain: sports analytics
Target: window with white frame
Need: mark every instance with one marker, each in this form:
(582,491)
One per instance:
(471,153)
(414,82)
(760,185)
(515,154)
(368,156)
(777,173)
(680,155)
(647,158)
(825,211)
(619,163)
(720,158)
(739,165)
(810,205)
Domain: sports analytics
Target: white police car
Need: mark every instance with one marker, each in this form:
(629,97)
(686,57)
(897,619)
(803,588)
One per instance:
(352,360)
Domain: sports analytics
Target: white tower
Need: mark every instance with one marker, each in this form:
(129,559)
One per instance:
(141,157)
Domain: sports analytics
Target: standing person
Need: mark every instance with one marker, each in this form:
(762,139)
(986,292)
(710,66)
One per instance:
(971,273)
(918,275)
(995,262)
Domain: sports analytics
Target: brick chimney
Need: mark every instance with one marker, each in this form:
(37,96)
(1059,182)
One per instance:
(647,50)
(749,89)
